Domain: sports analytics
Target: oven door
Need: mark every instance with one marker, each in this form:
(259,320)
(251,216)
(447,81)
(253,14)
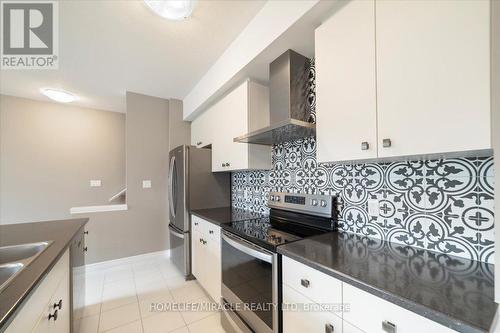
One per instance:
(250,284)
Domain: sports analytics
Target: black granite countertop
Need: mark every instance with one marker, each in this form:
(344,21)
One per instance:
(60,232)
(456,292)
(222,215)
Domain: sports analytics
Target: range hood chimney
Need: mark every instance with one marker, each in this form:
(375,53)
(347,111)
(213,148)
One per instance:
(289,108)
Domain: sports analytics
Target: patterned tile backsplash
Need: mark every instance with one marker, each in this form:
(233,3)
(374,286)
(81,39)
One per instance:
(440,205)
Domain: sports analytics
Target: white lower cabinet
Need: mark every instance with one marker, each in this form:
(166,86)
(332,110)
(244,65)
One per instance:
(311,301)
(315,285)
(206,256)
(60,302)
(348,328)
(52,295)
(370,313)
(303,315)
(212,272)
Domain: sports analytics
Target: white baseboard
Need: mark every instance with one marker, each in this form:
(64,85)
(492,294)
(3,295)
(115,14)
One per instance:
(127,260)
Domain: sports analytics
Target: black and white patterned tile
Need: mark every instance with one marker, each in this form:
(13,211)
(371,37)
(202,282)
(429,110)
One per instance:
(441,205)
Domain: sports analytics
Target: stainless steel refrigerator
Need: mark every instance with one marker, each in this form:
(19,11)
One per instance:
(191,185)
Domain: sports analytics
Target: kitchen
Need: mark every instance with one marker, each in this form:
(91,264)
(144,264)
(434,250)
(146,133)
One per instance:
(326,166)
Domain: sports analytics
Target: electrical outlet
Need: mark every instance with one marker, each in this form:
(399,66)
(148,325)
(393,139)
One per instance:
(95,183)
(373,208)
(146,184)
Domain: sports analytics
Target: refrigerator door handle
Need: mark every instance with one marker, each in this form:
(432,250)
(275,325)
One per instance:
(175,233)
(170,186)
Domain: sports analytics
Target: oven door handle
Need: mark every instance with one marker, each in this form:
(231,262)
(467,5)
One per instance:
(248,248)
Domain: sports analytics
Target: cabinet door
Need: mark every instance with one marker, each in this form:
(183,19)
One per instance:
(196,254)
(346,111)
(202,130)
(44,325)
(61,297)
(232,121)
(213,252)
(433,74)
(298,320)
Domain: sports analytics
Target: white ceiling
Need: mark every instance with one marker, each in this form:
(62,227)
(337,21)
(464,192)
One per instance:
(107,47)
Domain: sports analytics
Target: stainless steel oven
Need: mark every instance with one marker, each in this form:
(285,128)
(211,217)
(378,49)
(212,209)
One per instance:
(249,286)
(251,267)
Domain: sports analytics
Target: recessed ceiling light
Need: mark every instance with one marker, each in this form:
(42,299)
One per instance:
(172,9)
(59,95)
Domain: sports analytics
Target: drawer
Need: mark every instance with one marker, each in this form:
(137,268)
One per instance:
(198,224)
(348,328)
(213,231)
(317,286)
(311,318)
(361,314)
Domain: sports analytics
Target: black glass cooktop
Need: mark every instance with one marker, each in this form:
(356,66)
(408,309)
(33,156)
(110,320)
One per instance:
(279,228)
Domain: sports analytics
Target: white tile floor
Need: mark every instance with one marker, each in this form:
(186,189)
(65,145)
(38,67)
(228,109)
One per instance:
(119,298)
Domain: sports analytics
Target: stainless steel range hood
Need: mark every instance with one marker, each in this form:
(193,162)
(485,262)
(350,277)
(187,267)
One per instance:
(289,109)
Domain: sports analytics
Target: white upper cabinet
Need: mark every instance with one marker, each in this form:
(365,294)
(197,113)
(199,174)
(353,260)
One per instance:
(403,78)
(433,76)
(244,109)
(201,133)
(345,84)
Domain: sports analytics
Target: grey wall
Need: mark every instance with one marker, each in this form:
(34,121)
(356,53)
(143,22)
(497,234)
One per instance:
(48,154)
(147,159)
(154,126)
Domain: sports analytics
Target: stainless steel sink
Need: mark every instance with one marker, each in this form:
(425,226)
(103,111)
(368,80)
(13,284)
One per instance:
(14,258)
(20,252)
(8,271)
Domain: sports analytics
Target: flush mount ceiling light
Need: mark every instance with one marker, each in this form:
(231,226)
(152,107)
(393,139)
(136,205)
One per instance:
(172,9)
(59,95)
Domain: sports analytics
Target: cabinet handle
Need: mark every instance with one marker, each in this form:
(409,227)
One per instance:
(54,315)
(201,240)
(199,143)
(210,231)
(223,164)
(305,283)
(85,232)
(227,164)
(365,145)
(58,304)
(386,143)
(196,223)
(389,327)
(85,249)
(329,328)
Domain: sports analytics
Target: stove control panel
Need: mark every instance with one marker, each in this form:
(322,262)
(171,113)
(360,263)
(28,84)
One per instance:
(320,205)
